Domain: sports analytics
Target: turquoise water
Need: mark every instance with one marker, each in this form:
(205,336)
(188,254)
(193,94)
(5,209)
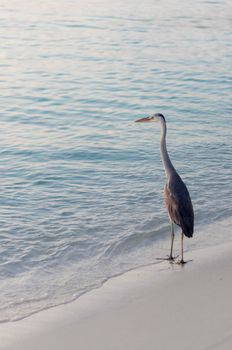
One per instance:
(80,184)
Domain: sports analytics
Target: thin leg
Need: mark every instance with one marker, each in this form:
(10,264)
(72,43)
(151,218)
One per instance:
(182,261)
(172,241)
(182,249)
(170,257)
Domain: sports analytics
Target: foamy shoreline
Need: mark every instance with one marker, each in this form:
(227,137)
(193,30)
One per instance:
(153,307)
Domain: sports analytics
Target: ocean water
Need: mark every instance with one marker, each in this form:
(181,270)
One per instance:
(81,185)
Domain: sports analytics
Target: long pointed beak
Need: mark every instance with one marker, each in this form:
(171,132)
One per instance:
(144,120)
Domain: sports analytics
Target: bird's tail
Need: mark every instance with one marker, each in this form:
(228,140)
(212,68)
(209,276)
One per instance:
(188,230)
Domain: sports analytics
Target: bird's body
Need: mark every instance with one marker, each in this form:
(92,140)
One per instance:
(176,195)
(179,205)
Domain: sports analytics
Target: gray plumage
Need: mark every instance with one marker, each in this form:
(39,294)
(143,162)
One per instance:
(179,205)
(176,195)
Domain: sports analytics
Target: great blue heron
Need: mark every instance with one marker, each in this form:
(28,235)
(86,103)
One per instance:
(176,195)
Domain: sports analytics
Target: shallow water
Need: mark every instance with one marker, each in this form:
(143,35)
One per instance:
(81,184)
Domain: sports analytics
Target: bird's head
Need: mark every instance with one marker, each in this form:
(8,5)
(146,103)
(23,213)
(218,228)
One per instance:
(153,118)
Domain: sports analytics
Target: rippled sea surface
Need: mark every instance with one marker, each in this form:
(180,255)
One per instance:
(80,184)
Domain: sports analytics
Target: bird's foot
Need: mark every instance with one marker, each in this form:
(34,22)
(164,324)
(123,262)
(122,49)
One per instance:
(182,262)
(169,258)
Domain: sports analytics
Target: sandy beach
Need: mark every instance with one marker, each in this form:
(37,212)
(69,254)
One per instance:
(160,306)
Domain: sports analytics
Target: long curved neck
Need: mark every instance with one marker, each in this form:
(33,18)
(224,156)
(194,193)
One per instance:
(169,168)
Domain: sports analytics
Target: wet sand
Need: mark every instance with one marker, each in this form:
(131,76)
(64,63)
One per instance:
(160,306)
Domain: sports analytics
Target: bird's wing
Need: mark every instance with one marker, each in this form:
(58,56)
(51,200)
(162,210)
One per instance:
(179,205)
(171,203)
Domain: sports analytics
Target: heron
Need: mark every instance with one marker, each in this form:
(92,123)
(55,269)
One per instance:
(176,195)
